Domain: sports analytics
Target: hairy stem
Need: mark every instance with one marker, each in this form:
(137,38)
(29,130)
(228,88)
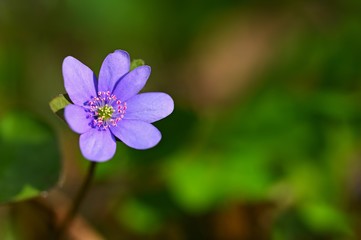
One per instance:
(77,201)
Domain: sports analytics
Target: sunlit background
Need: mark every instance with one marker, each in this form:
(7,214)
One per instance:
(264,142)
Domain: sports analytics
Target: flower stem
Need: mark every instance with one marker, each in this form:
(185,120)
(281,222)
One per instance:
(77,201)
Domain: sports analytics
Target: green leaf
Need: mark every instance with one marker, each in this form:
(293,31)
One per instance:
(324,217)
(199,182)
(194,183)
(58,104)
(30,157)
(27,191)
(136,63)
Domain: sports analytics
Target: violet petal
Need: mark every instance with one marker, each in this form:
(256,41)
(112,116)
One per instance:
(149,107)
(77,118)
(79,81)
(114,67)
(137,134)
(97,145)
(132,83)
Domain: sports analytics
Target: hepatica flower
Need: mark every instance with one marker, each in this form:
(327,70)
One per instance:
(111,107)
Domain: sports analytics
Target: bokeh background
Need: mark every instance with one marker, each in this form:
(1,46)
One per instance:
(264,141)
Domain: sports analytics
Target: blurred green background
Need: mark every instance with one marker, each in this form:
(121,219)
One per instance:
(264,142)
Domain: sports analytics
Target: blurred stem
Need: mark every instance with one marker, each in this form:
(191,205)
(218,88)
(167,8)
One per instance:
(77,201)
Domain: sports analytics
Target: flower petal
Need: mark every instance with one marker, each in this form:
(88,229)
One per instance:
(132,83)
(114,67)
(149,107)
(137,134)
(77,119)
(97,145)
(79,80)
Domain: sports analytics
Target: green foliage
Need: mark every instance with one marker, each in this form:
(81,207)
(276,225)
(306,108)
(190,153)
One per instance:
(139,217)
(30,158)
(58,104)
(136,63)
(323,217)
(200,182)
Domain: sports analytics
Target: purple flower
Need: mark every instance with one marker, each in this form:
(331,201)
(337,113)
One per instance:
(111,107)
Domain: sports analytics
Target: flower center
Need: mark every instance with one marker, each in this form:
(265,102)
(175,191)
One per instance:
(105,110)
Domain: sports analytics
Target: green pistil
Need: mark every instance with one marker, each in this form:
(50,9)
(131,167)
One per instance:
(105,112)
